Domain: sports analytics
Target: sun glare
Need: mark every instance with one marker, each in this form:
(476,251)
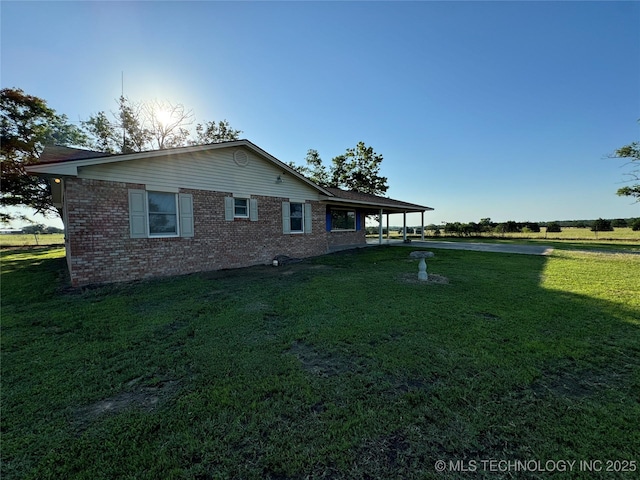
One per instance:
(163,117)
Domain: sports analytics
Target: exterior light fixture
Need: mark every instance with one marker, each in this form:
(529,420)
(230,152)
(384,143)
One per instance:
(57,180)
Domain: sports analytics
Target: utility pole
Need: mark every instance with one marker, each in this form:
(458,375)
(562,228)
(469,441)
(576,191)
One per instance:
(124,131)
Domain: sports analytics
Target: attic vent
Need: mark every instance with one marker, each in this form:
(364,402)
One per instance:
(241,158)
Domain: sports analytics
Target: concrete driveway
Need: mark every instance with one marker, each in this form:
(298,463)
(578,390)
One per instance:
(478,247)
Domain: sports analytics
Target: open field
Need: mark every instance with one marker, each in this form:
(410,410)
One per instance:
(24,240)
(567,234)
(342,366)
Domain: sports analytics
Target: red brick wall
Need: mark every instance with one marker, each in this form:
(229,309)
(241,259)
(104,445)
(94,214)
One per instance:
(347,238)
(100,249)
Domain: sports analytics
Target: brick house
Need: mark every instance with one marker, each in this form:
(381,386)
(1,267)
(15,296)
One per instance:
(199,208)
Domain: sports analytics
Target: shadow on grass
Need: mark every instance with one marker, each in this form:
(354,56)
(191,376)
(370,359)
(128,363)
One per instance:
(336,367)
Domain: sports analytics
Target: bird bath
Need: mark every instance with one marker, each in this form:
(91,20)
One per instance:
(422,266)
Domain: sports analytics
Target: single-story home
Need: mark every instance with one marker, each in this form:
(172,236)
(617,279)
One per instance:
(197,208)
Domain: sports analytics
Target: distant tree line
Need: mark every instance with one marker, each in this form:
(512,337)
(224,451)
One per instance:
(40,229)
(486,227)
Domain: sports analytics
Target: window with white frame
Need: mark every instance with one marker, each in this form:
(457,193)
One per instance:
(241,207)
(343,220)
(163,214)
(160,214)
(297,217)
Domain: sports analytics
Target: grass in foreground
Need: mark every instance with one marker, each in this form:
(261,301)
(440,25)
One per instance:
(342,366)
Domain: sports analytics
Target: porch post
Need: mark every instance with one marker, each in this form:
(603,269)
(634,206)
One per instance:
(404,226)
(422,229)
(380,228)
(387,226)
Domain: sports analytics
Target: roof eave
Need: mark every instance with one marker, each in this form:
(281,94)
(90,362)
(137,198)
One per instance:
(378,205)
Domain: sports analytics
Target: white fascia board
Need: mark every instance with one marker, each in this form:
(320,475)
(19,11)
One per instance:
(54,169)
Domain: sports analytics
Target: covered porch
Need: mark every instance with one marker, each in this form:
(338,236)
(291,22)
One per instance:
(380,207)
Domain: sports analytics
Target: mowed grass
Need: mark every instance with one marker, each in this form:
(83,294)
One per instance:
(618,234)
(24,240)
(342,366)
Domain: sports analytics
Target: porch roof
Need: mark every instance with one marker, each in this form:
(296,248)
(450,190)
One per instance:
(372,203)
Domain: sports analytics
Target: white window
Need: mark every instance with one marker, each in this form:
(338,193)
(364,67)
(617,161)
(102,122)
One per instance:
(241,207)
(163,214)
(296,217)
(160,214)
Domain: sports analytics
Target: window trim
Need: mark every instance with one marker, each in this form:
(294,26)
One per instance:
(302,208)
(139,213)
(246,206)
(177,216)
(307,218)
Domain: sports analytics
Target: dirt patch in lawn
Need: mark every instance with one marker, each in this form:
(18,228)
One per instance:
(143,395)
(577,385)
(324,363)
(433,279)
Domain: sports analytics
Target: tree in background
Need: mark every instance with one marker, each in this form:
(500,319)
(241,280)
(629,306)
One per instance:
(314,169)
(27,124)
(358,169)
(167,123)
(152,125)
(554,227)
(630,152)
(212,132)
(101,134)
(602,225)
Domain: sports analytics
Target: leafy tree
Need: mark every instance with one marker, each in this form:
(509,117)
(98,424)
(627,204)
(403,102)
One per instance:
(102,134)
(630,152)
(27,124)
(602,225)
(635,225)
(34,229)
(135,137)
(619,223)
(486,224)
(314,169)
(358,169)
(554,227)
(212,132)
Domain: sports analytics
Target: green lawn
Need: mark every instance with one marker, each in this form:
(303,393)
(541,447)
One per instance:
(582,236)
(24,240)
(343,366)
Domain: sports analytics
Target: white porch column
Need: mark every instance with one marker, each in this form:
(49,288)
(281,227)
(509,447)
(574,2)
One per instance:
(404,226)
(387,226)
(380,228)
(422,230)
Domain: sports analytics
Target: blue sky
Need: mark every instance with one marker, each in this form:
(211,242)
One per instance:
(480,109)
